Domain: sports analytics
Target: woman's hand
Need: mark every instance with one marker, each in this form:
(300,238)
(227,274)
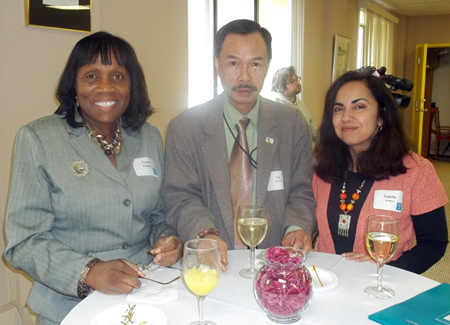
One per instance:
(358,257)
(167,250)
(114,277)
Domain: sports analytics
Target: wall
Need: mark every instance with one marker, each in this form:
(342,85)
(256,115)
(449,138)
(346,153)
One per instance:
(32,60)
(422,30)
(323,20)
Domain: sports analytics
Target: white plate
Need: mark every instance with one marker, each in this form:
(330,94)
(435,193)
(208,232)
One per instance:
(142,313)
(328,278)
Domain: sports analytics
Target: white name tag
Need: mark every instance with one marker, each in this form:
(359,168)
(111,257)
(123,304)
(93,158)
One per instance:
(276,181)
(144,167)
(388,200)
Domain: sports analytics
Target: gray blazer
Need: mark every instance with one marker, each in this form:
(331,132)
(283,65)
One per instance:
(57,222)
(196,189)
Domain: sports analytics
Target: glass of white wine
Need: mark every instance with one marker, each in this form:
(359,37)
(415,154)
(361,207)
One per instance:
(252,228)
(381,242)
(201,270)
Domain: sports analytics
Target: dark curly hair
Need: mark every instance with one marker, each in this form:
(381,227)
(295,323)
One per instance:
(384,157)
(87,51)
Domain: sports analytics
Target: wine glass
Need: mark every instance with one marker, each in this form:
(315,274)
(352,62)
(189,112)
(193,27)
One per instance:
(252,228)
(381,242)
(201,270)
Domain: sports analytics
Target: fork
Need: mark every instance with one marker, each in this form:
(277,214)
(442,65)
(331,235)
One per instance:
(162,282)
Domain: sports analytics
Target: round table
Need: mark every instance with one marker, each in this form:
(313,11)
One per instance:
(233,302)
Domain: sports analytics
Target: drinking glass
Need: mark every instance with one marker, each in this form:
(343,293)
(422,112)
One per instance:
(381,242)
(252,228)
(201,270)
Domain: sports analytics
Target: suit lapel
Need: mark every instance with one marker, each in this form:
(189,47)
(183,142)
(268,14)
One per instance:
(268,141)
(131,145)
(216,159)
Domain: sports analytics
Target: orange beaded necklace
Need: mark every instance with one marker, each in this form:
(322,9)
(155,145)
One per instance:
(345,219)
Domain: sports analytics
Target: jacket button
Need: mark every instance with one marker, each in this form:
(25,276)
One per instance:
(127,202)
(125,246)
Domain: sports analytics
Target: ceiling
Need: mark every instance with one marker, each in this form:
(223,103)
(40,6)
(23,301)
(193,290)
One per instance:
(417,7)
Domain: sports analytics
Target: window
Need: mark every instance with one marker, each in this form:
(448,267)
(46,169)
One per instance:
(281,17)
(376,36)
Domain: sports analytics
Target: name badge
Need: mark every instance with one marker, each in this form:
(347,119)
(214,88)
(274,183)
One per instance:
(144,167)
(388,200)
(276,182)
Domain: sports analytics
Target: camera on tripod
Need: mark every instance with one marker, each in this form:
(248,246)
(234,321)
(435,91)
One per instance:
(393,84)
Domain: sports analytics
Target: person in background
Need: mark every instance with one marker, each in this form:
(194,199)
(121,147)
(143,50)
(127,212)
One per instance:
(211,168)
(84,203)
(365,167)
(286,85)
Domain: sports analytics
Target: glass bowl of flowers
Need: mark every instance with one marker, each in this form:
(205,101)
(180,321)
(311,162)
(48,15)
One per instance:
(283,286)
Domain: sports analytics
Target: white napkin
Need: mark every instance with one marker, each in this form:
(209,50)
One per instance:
(154,293)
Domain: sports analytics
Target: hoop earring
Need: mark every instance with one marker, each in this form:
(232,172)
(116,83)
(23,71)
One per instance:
(380,128)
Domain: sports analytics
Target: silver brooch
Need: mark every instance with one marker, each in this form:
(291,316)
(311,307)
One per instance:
(79,168)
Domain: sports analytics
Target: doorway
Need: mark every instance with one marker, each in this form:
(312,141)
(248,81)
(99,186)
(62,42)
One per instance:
(429,83)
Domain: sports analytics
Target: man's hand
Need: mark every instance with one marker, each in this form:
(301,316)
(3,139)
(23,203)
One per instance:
(114,277)
(298,239)
(223,247)
(358,257)
(167,250)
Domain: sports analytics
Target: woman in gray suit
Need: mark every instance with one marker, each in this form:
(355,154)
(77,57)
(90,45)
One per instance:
(84,204)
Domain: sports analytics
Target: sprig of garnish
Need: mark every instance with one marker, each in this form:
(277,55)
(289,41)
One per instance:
(127,319)
(129,315)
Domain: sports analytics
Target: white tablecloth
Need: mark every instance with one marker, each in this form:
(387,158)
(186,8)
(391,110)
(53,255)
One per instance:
(233,302)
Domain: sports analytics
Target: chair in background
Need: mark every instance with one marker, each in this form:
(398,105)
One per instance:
(442,133)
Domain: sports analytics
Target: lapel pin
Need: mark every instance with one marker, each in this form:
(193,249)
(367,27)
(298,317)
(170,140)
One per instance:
(269,140)
(79,168)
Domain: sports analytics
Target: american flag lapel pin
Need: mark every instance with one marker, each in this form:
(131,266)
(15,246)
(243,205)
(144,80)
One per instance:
(269,140)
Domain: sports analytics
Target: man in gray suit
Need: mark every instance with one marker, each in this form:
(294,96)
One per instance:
(196,189)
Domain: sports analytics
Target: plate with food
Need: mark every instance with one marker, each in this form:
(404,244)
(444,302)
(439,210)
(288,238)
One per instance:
(136,314)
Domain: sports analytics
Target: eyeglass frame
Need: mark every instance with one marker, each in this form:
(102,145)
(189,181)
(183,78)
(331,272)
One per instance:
(299,79)
(241,71)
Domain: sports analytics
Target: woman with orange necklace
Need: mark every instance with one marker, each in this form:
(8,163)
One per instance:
(365,167)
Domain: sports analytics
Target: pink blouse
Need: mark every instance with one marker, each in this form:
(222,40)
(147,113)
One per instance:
(422,193)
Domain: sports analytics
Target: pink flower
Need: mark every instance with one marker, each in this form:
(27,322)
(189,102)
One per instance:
(284,285)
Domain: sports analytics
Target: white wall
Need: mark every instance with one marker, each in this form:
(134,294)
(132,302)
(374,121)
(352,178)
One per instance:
(31,61)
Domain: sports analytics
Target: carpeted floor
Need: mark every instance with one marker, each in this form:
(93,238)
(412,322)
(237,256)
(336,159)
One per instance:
(441,270)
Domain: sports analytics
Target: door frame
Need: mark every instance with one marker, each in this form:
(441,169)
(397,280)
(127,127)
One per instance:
(418,108)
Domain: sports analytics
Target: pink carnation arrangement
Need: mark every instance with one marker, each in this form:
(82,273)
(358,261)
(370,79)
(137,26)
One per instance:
(283,286)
